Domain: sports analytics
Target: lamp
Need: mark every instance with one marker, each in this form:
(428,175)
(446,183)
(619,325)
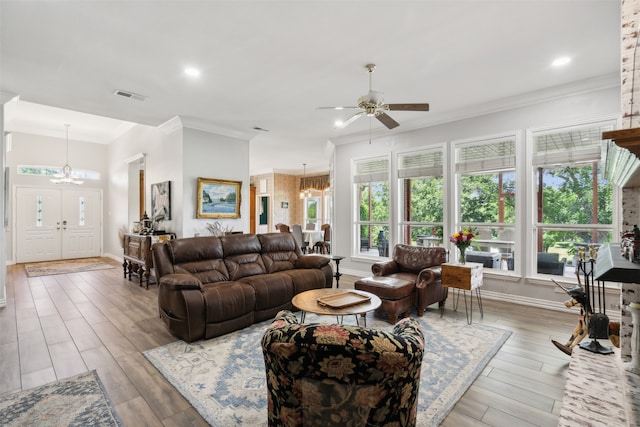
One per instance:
(304,191)
(66,177)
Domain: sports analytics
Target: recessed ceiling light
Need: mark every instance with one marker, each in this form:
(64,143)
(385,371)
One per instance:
(338,123)
(559,62)
(192,72)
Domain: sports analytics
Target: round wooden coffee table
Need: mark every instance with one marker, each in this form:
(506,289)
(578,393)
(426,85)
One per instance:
(337,302)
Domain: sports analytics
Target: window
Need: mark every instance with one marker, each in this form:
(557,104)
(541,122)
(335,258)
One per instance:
(52,170)
(420,178)
(486,178)
(573,200)
(312,212)
(371,190)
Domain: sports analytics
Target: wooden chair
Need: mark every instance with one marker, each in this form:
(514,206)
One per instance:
(283,228)
(324,247)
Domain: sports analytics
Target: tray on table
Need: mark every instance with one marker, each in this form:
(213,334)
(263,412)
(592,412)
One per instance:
(343,299)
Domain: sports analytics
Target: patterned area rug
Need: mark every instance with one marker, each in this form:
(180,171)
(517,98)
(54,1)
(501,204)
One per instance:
(75,401)
(224,378)
(49,268)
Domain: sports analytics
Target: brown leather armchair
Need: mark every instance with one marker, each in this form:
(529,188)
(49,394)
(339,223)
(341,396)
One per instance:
(410,279)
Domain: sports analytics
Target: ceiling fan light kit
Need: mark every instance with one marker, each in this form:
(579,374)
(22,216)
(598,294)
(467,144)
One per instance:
(373,105)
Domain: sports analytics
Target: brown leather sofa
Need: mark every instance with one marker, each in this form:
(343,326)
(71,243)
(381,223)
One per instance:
(210,286)
(410,279)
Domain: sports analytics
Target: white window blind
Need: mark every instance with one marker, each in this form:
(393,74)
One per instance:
(372,170)
(420,164)
(569,146)
(486,156)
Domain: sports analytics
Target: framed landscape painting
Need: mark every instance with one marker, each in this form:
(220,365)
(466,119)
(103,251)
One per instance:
(218,198)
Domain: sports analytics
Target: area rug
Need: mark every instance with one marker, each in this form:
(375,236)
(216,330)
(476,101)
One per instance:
(224,378)
(49,268)
(74,401)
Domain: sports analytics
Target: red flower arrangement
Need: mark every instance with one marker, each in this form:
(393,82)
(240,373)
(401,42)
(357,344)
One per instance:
(462,240)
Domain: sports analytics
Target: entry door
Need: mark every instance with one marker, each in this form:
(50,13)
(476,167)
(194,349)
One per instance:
(56,224)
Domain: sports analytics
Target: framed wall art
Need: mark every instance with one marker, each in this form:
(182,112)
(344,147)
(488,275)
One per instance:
(161,201)
(218,198)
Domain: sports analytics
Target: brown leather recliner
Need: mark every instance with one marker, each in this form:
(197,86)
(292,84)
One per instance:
(410,279)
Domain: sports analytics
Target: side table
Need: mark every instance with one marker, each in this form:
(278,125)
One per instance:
(463,277)
(137,254)
(336,259)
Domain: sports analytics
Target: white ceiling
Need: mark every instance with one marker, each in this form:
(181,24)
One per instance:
(270,64)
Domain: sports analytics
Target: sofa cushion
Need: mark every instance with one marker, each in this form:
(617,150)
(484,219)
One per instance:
(278,251)
(200,257)
(208,271)
(271,290)
(227,300)
(192,249)
(237,244)
(304,280)
(244,265)
(242,255)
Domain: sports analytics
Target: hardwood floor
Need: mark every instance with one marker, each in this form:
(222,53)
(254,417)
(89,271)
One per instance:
(58,326)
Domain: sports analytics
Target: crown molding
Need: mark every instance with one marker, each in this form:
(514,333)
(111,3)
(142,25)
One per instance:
(219,130)
(171,125)
(6,96)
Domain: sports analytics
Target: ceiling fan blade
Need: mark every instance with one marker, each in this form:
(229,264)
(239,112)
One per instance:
(351,120)
(336,108)
(408,107)
(386,120)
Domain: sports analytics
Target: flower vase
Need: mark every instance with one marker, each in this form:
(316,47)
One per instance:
(462,257)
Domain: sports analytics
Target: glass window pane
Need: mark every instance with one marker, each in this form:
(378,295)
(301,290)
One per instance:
(423,235)
(568,195)
(374,201)
(426,202)
(488,197)
(561,249)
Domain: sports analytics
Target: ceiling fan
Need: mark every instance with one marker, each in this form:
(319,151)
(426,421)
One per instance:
(373,105)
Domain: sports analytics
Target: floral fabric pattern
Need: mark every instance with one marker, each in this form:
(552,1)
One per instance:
(342,375)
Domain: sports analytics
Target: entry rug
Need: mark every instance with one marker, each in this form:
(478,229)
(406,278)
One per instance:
(224,378)
(49,268)
(74,401)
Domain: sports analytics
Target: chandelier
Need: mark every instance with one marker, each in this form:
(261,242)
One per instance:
(67,176)
(303,184)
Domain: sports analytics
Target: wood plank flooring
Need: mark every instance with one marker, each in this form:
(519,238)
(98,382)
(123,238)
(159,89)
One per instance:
(58,326)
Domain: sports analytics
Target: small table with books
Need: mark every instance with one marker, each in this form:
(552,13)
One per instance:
(336,302)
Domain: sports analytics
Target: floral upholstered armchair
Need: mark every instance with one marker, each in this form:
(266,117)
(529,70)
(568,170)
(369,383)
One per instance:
(340,375)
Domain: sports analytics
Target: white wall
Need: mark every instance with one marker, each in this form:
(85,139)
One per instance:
(139,139)
(582,107)
(208,155)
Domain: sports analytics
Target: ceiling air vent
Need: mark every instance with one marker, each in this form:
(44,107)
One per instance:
(127,94)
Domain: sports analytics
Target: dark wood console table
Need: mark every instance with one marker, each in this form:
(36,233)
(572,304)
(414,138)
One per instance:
(137,254)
